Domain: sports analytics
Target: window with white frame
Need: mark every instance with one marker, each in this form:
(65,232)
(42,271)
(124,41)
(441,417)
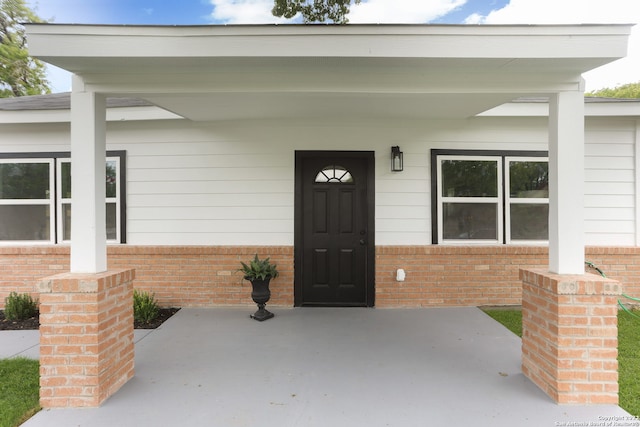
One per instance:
(35,198)
(27,200)
(490,197)
(527,199)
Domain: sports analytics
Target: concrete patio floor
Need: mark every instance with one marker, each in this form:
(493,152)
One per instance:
(327,367)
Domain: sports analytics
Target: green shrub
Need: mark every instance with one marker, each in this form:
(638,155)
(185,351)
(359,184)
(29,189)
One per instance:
(259,269)
(20,307)
(145,306)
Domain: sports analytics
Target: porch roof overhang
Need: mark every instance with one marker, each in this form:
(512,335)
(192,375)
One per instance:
(261,72)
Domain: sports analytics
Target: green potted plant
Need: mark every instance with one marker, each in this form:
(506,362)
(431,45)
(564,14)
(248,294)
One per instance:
(259,273)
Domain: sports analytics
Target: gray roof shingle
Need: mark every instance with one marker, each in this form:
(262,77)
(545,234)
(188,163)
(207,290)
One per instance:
(60,101)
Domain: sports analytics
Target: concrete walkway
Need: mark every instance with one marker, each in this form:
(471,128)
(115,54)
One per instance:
(327,367)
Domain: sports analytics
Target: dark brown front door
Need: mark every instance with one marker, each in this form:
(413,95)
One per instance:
(334,229)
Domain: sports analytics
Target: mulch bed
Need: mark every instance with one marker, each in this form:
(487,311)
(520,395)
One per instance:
(34,322)
(165,313)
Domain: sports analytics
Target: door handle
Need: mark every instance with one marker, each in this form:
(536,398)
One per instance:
(362,242)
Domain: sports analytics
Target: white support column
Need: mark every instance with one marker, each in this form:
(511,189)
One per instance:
(566,183)
(88,158)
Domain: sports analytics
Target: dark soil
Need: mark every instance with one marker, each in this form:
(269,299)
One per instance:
(165,313)
(34,322)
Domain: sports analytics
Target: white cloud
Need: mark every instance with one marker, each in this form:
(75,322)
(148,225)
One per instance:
(474,18)
(626,70)
(566,12)
(244,12)
(401,11)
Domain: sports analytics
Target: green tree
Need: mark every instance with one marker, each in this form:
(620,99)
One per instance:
(314,10)
(629,90)
(20,74)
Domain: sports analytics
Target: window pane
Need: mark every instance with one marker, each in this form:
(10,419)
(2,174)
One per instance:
(529,179)
(529,221)
(469,178)
(465,221)
(66,221)
(65,180)
(111,222)
(334,174)
(24,222)
(111,179)
(24,180)
(112,233)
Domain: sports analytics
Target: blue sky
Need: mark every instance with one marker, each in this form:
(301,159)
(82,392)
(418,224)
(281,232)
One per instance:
(204,12)
(216,12)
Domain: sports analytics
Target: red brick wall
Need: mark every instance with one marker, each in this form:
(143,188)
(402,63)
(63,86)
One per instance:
(621,264)
(22,267)
(204,276)
(86,337)
(180,276)
(570,336)
(453,275)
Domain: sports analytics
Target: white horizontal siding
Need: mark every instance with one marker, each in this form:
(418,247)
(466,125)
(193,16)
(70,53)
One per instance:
(609,175)
(223,161)
(611,188)
(205,213)
(212,173)
(609,239)
(607,163)
(610,199)
(610,227)
(233,182)
(212,225)
(402,213)
(222,238)
(403,238)
(209,187)
(608,214)
(34,138)
(212,200)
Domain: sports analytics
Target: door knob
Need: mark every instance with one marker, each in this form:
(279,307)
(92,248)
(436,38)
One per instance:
(362,242)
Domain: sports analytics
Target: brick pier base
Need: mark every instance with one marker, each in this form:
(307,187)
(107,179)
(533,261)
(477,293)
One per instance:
(570,336)
(86,337)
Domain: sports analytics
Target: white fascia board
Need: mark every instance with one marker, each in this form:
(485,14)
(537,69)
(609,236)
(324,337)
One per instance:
(541,109)
(59,43)
(64,116)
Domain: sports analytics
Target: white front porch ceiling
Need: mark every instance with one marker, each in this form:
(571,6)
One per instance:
(411,71)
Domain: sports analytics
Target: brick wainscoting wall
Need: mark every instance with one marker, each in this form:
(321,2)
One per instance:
(570,336)
(204,276)
(86,337)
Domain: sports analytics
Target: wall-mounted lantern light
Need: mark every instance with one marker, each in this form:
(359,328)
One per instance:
(396,159)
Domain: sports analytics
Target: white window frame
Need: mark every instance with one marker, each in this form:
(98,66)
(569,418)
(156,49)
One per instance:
(438,199)
(441,199)
(55,201)
(38,202)
(60,201)
(520,200)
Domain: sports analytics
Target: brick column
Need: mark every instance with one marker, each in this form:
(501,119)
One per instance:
(86,337)
(570,336)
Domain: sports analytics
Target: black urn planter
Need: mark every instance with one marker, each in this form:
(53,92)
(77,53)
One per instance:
(260,295)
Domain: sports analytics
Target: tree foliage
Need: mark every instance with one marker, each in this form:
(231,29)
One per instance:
(629,90)
(314,10)
(20,74)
